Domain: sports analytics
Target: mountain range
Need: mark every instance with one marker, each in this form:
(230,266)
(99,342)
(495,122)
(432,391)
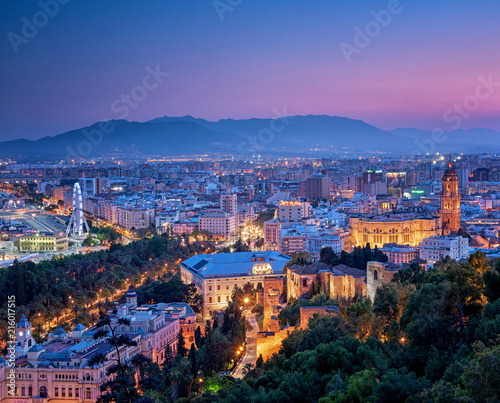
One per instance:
(319,135)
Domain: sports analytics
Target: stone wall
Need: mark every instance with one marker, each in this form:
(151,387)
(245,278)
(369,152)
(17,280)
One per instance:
(376,276)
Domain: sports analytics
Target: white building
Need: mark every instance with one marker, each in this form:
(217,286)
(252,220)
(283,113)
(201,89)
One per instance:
(215,276)
(137,218)
(338,241)
(436,248)
(216,223)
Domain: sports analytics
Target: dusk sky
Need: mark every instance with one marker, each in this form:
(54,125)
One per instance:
(243,62)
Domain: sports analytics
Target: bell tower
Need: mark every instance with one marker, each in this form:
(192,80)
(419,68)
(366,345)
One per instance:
(450,202)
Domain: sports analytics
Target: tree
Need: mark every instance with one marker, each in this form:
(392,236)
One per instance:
(121,385)
(181,343)
(192,358)
(179,374)
(197,337)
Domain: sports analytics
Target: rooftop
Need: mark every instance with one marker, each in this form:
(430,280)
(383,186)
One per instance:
(236,264)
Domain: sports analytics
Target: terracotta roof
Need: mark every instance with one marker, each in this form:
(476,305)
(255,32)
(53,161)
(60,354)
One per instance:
(351,271)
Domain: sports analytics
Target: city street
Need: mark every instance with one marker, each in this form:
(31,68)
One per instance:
(251,349)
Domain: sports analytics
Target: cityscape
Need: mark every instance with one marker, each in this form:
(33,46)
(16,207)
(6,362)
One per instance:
(237,201)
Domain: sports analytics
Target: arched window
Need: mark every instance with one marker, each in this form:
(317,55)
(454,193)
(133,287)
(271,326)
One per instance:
(43,391)
(375,275)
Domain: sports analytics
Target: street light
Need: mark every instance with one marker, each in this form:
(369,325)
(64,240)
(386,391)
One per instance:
(246,300)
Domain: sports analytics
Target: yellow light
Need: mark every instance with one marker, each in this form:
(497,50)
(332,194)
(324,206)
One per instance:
(238,352)
(200,380)
(241,348)
(246,300)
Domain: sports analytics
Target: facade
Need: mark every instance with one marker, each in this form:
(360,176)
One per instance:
(290,212)
(402,229)
(229,203)
(437,248)
(57,370)
(450,202)
(337,240)
(135,218)
(43,242)
(378,274)
(219,223)
(400,253)
(272,230)
(292,241)
(340,281)
(215,276)
(318,187)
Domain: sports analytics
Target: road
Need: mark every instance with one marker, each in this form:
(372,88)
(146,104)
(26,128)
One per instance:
(251,351)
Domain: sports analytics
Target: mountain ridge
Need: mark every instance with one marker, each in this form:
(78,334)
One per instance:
(330,135)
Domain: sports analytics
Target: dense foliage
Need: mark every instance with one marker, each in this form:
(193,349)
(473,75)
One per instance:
(428,336)
(358,258)
(53,288)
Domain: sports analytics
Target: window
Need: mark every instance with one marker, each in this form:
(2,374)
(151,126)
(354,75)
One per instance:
(227,298)
(209,300)
(218,287)
(304,282)
(375,275)
(218,299)
(63,392)
(56,392)
(70,392)
(209,288)
(87,394)
(77,392)
(23,391)
(30,391)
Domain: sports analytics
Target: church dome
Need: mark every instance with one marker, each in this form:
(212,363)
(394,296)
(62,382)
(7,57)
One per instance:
(79,328)
(59,331)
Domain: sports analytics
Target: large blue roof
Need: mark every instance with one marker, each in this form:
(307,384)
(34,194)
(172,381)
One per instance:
(235,264)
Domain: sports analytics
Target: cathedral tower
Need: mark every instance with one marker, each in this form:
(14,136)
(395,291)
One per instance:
(450,202)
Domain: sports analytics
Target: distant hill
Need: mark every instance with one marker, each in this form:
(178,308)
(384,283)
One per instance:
(312,134)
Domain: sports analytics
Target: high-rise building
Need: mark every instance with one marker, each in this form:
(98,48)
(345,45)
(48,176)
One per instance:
(318,187)
(450,202)
(229,203)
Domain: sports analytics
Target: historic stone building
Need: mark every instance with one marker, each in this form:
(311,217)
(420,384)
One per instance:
(339,282)
(450,202)
(378,274)
(394,228)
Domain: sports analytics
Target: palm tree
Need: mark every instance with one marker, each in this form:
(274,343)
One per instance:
(178,374)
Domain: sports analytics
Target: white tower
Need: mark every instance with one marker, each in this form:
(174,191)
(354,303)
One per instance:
(77,221)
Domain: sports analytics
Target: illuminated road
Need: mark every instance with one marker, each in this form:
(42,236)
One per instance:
(251,351)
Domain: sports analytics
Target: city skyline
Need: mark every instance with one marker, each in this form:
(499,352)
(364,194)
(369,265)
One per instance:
(378,62)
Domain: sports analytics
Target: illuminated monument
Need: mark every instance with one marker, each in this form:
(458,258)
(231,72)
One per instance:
(77,221)
(450,202)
